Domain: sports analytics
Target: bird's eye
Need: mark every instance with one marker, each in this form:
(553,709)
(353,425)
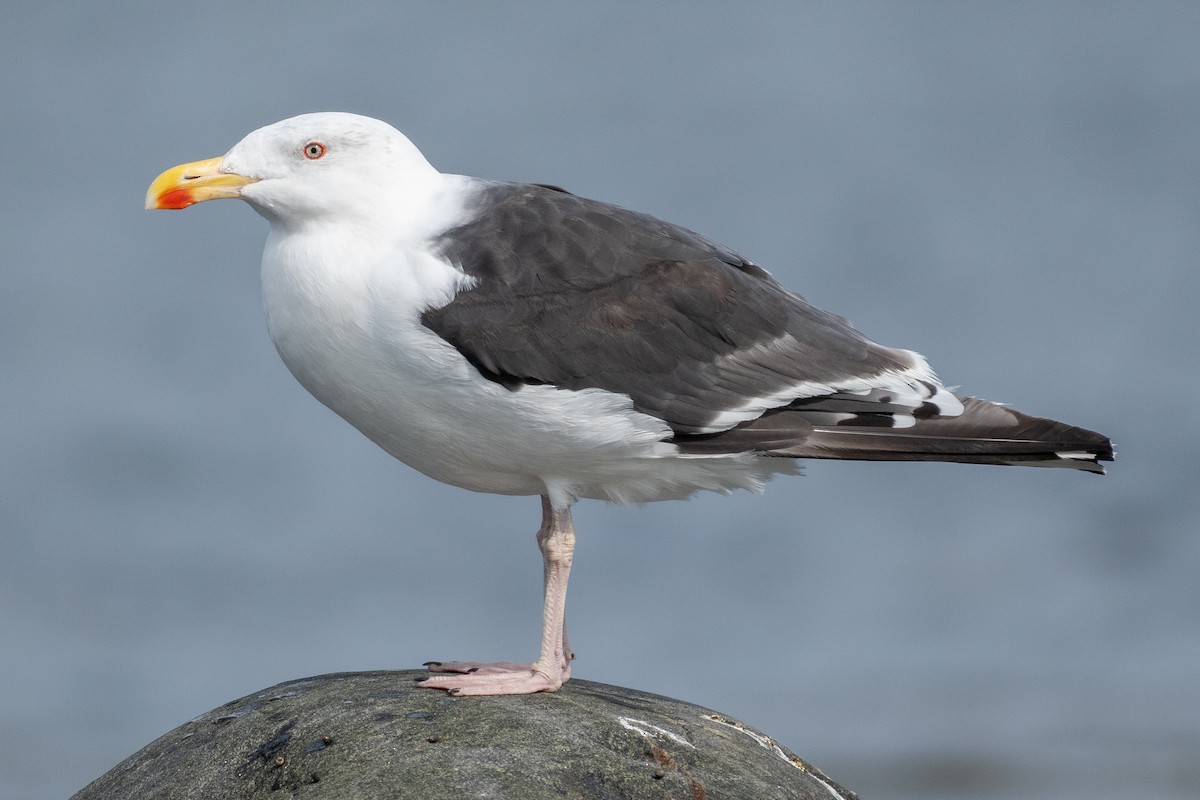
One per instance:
(314,150)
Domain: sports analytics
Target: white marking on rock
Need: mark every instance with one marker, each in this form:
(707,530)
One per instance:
(768,743)
(649,731)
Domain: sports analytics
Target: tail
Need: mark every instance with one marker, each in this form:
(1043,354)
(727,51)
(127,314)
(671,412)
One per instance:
(984,433)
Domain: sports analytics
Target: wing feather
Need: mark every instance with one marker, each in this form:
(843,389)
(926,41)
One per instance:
(577,293)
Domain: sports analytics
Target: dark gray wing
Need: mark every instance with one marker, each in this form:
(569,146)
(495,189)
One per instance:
(577,293)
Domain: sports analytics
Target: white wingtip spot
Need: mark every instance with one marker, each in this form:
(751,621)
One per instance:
(947,404)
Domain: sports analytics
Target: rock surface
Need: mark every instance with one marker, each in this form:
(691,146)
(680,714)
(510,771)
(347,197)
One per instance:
(354,736)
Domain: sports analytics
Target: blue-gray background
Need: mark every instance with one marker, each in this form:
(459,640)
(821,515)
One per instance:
(1013,190)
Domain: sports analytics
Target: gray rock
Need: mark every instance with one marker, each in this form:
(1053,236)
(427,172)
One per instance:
(360,735)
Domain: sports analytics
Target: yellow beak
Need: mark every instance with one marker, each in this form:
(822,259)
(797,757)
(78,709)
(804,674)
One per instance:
(180,187)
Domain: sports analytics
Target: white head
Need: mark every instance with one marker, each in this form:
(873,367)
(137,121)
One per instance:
(311,168)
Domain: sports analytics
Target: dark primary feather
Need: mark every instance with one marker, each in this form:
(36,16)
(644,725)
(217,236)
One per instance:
(985,433)
(577,294)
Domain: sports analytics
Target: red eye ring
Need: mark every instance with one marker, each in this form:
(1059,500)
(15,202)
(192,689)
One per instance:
(314,150)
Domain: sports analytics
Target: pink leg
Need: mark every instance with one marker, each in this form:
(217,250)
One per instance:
(556,540)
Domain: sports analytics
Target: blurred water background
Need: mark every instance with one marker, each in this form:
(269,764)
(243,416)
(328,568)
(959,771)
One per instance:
(1011,189)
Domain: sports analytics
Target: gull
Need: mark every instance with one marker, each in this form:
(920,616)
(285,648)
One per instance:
(518,339)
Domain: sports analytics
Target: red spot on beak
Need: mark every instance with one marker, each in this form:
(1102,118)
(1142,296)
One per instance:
(177,198)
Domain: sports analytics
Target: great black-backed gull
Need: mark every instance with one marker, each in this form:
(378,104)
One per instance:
(518,339)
